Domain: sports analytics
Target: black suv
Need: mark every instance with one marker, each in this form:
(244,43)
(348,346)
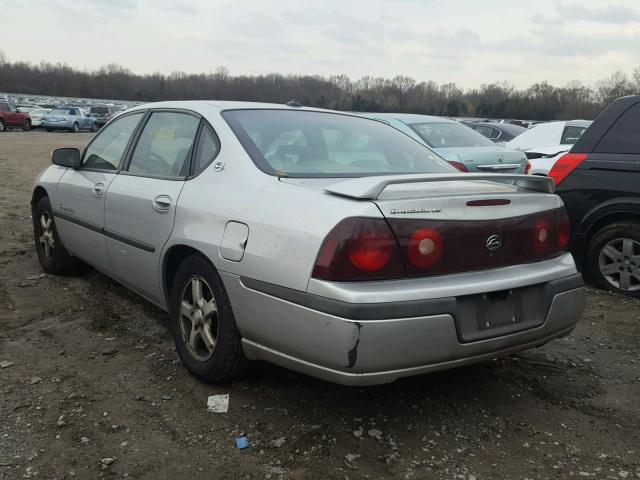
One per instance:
(599,181)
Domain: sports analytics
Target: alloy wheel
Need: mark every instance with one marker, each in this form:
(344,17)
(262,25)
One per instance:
(198,318)
(619,263)
(47,240)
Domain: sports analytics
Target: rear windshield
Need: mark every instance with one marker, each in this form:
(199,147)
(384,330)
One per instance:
(318,144)
(443,135)
(61,111)
(99,110)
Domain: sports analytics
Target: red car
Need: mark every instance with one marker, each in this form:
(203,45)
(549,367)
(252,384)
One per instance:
(10,117)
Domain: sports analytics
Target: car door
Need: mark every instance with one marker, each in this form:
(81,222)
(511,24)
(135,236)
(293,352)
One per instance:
(79,200)
(141,201)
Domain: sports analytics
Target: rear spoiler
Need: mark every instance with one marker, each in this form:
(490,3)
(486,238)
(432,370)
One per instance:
(370,188)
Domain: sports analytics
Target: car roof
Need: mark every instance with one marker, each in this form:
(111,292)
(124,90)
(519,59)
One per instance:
(410,118)
(226,105)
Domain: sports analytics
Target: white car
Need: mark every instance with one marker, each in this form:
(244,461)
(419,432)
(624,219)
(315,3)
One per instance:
(36,116)
(543,142)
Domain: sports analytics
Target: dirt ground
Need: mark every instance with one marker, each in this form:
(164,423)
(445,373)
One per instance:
(94,390)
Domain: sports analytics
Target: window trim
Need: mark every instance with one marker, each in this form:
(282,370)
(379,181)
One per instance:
(126,149)
(127,161)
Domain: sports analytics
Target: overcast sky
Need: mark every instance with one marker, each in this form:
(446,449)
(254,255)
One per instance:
(468,42)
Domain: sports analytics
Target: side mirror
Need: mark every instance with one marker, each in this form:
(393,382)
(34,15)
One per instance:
(66,157)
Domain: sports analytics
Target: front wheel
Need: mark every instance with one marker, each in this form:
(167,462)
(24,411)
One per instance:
(53,256)
(202,323)
(75,128)
(613,258)
(2,126)
(27,125)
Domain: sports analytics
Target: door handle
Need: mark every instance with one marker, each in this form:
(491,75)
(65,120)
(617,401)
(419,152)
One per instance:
(98,189)
(162,203)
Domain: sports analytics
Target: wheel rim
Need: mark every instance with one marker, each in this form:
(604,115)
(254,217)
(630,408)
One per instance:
(619,263)
(75,127)
(46,239)
(1,127)
(198,318)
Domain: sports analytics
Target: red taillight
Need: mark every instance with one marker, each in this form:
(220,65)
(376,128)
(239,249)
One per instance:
(527,168)
(542,235)
(370,251)
(425,247)
(565,165)
(460,166)
(359,249)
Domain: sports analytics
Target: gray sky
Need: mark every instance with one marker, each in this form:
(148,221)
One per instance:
(463,41)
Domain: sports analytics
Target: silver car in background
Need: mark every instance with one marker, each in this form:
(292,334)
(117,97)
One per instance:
(327,243)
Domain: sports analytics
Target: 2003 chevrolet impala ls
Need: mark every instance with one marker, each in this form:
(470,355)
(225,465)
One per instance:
(327,243)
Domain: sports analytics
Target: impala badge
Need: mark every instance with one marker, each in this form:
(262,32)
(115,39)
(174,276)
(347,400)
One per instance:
(493,243)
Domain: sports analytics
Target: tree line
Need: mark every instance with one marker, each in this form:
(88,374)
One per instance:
(541,101)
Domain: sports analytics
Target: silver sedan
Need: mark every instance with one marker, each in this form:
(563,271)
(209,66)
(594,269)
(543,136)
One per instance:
(324,242)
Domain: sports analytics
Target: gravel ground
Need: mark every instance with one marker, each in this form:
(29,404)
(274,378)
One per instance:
(90,387)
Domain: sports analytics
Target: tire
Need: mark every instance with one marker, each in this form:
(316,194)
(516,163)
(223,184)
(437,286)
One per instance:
(613,258)
(75,128)
(55,258)
(27,125)
(94,128)
(225,360)
(49,130)
(2,126)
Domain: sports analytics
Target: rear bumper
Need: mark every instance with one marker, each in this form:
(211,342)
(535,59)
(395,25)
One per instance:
(373,343)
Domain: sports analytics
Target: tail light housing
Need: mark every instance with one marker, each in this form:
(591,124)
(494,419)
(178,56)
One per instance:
(527,168)
(376,249)
(359,249)
(565,165)
(458,165)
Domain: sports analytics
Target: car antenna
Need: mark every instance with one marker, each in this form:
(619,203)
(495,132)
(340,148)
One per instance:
(293,103)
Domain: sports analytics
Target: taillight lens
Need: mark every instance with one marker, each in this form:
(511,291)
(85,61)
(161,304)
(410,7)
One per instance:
(374,249)
(425,247)
(527,168)
(542,235)
(359,249)
(460,166)
(565,165)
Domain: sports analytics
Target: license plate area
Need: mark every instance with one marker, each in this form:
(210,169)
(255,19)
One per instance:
(494,314)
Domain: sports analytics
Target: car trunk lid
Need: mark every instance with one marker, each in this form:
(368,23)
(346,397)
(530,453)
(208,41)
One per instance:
(448,223)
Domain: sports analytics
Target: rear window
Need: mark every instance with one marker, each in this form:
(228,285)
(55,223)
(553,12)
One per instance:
(624,135)
(571,134)
(318,144)
(443,135)
(62,111)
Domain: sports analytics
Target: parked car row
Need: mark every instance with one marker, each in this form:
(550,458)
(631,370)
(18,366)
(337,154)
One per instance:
(70,118)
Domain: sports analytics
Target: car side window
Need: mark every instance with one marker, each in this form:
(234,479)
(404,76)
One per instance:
(164,145)
(207,149)
(571,135)
(495,134)
(624,135)
(106,151)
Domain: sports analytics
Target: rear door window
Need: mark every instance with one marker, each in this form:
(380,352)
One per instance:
(207,149)
(624,135)
(165,145)
(106,151)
